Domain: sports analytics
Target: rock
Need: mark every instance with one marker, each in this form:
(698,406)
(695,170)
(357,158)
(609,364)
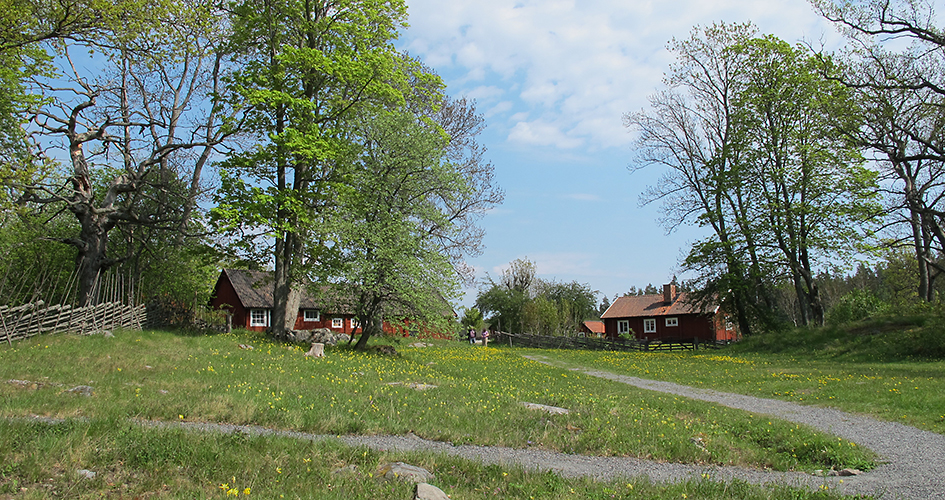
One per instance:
(387,350)
(83,390)
(554,410)
(245,346)
(426,491)
(420,344)
(405,472)
(849,472)
(85,473)
(421,387)
(317,350)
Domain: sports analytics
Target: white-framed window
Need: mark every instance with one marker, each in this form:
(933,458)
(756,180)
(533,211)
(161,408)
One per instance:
(259,317)
(672,321)
(354,324)
(311,315)
(623,326)
(337,322)
(649,325)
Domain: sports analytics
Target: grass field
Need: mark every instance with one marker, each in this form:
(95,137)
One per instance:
(477,399)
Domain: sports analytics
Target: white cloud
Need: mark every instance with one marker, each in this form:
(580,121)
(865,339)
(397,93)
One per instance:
(575,66)
(540,133)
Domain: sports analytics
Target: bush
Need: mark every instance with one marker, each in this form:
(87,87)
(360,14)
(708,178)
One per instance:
(855,306)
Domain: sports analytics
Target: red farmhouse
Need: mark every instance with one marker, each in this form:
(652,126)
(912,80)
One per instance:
(666,317)
(247,295)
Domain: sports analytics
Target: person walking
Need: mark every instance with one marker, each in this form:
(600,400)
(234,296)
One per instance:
(472,336)
(485,337)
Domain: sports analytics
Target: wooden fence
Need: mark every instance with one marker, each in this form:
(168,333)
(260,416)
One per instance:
(28,320)
(548,342)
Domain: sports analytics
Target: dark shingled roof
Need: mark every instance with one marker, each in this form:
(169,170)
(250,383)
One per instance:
(255,288)
(636,306)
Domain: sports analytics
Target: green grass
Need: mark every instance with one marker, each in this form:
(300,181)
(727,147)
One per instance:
(41,460)
(478,398)
(881,368)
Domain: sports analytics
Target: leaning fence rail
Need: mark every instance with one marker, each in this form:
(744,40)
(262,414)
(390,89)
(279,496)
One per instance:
(602,344)
(29,320)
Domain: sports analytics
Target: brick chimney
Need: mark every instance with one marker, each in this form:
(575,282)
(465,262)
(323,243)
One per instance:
(669,293)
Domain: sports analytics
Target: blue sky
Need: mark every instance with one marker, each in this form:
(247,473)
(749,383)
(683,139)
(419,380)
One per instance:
(553,79)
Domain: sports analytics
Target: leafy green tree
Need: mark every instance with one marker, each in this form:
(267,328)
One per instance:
(308,66)
(407,217)
(814,195)
(751,134)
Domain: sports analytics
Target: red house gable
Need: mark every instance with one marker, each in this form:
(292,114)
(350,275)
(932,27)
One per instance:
(667,316)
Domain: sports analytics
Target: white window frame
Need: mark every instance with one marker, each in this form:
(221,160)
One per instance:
(649,325)
(623,326)
(354,324)
(672,321)
(256,320)
(311,315)
(337,322)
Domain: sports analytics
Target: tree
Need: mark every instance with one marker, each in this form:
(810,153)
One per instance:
(692,131)
(813,193)
(308,67)
(902,93)
(522,302)
(138,134)
(408,216)
(748,133)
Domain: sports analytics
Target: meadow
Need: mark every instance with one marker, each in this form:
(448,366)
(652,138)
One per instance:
(911,391)
(477,399)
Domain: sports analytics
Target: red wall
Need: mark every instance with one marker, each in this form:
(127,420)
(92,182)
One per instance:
(690,326)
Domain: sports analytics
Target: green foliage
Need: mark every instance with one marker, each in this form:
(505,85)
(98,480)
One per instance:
(855,306)
(523,303)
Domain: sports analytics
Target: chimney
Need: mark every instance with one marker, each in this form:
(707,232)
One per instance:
(669,293)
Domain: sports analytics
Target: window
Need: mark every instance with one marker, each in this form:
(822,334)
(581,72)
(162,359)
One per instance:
(354,324)
(649,325)
(623,326)
(337,322)
(311,315)
(259,317)
(672,321)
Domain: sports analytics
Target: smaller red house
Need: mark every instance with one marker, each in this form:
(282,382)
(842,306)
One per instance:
(247,295)
(593,329)
(667,317)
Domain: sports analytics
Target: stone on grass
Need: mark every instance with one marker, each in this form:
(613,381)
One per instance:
(317,350)
(426,491)
(405,472)
(83,390)
(554,410)
(387,350)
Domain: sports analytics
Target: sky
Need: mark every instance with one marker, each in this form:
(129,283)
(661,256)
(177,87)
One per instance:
(553,80)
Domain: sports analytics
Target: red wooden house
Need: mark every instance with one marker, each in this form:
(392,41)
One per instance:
(666,317)
(247,295)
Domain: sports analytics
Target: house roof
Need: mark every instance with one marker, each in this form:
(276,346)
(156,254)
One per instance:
(255,289)
(636,306)
(594,326)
